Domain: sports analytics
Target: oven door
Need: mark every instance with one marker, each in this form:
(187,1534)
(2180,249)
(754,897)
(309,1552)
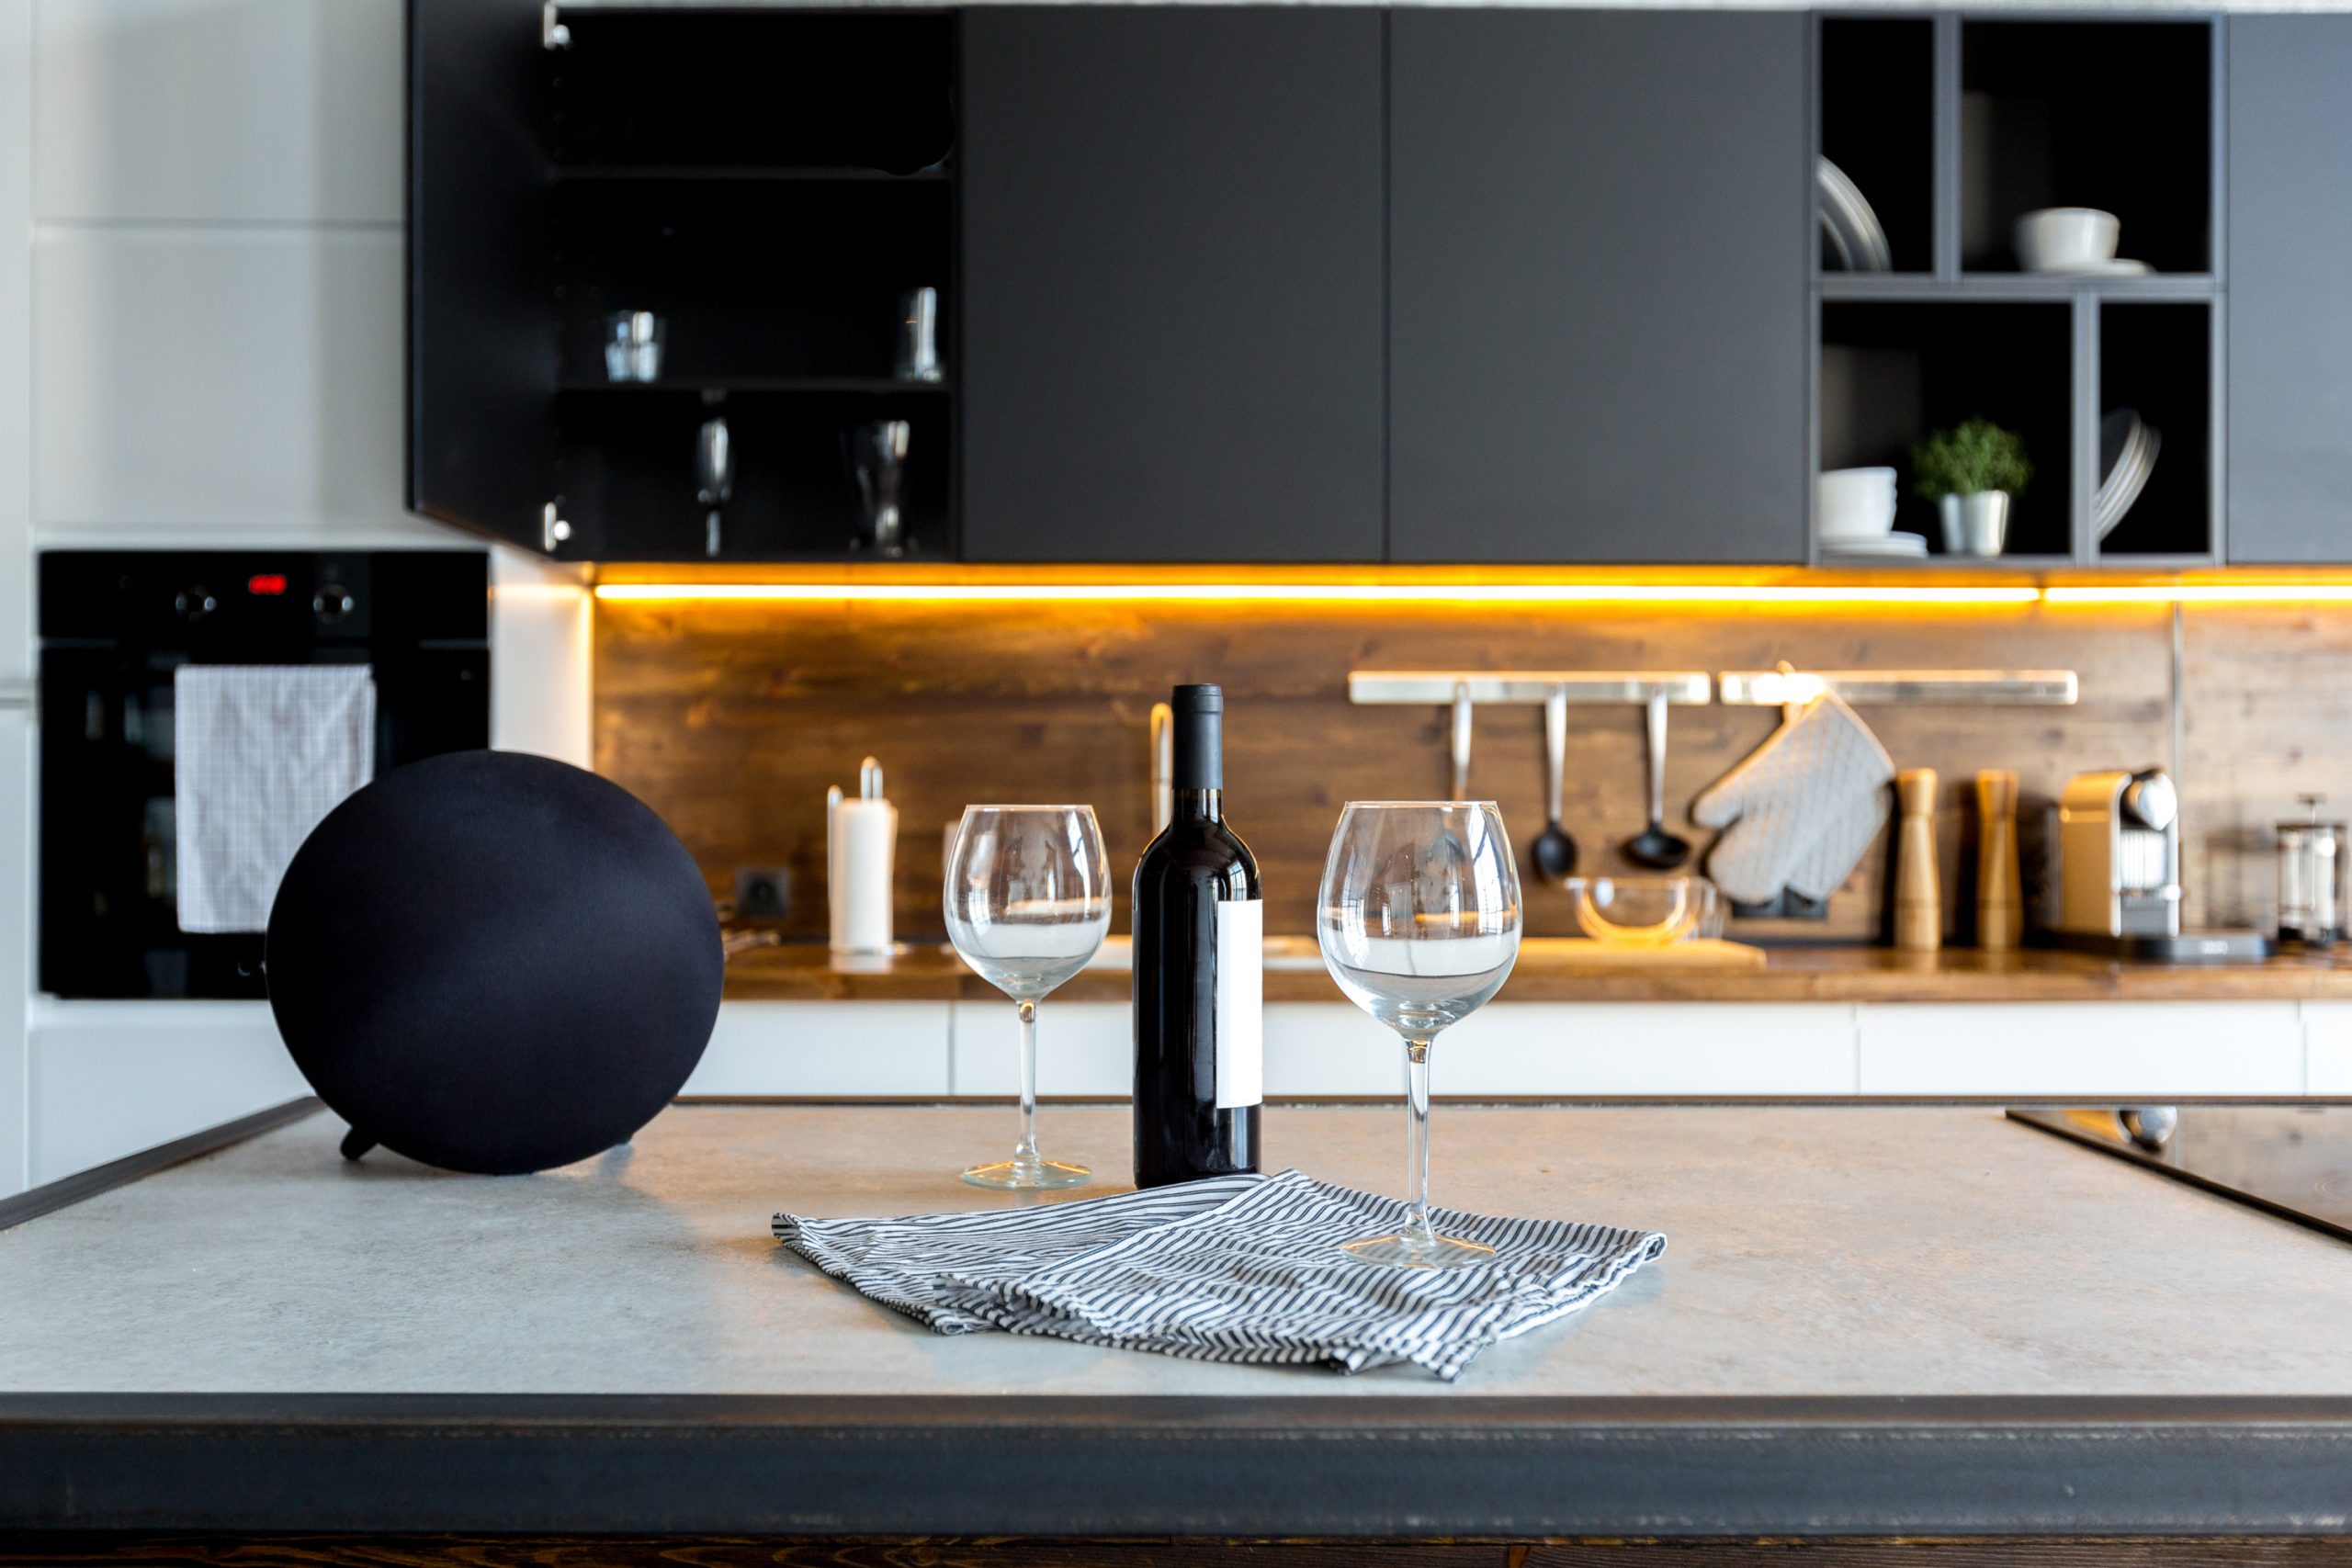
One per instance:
(109,851)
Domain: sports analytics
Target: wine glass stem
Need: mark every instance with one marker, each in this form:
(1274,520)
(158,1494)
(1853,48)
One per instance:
(1417,1231)
(1026,1152)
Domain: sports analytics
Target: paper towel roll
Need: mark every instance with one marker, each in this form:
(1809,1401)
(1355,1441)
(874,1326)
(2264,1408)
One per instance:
(864,837)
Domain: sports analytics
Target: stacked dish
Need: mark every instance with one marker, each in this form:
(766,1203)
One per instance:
(1848,223)
(1854,516)
(2127,456)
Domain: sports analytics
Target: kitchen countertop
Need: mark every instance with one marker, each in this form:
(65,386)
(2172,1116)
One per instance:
(1869,1321)
(931,972)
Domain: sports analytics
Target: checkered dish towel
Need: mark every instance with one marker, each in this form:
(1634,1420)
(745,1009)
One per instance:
(263,752)
(1231,1268)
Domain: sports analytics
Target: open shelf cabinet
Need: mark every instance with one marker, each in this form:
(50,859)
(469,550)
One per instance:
(1955,126)
(770,183)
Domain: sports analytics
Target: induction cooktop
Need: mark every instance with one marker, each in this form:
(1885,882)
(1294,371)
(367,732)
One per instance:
(2294,1161)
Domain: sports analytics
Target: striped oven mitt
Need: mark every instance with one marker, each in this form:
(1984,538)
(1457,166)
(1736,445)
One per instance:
(1800,810)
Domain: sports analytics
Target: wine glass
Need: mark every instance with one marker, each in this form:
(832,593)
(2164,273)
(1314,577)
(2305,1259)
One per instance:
(1419,921)
(1028,902)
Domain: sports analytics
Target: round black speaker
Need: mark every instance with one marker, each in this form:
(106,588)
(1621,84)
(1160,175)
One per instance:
(492,962)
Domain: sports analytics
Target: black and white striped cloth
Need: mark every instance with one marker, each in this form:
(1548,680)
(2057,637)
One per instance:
(1232,1268)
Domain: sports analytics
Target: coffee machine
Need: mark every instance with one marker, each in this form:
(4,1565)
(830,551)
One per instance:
(2119,873)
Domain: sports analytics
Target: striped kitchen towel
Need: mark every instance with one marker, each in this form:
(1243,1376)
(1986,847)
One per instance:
(901,1263)
(1252,1274)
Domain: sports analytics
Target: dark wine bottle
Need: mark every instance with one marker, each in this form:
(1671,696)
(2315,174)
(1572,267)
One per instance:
(1199,971)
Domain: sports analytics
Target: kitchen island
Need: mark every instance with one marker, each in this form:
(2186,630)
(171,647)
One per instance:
(1871,1322)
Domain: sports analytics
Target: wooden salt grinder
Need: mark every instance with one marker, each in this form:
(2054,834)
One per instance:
(1918,900)
(2000,906)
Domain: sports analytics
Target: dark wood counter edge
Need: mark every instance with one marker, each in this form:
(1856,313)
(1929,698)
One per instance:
(1335,1466)
(67,1190)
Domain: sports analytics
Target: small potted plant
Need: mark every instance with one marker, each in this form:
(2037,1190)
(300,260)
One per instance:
(1972,473)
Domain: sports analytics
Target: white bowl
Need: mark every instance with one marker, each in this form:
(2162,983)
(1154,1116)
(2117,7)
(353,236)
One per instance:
(2059,237)
(1856,504)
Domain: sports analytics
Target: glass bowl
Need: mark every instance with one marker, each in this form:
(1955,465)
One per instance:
(1645,911)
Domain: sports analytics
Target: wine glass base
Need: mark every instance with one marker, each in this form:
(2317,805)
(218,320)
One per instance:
(1410,1252)
(1016,1175)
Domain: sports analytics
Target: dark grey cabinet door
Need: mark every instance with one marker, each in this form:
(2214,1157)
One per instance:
(2289,289)
(481,345)
(1600,232)
(1171,333)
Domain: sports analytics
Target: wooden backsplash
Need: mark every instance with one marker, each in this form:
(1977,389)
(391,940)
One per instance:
(731,719)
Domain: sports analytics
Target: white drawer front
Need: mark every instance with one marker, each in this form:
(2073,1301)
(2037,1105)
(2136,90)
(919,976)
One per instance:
(825,1048)
(1083,1048)
(1644,1048)
(2087,1049)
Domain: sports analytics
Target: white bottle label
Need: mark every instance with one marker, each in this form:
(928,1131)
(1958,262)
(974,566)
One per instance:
(1240,1004)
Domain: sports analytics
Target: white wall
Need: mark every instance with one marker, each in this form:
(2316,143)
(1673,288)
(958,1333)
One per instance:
(16,578)
(217,343)
(201,347)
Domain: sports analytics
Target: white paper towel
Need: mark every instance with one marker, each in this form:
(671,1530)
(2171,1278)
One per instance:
(862,836)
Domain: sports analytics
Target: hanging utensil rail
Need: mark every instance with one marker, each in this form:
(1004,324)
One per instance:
(1969,688)
(1435,688)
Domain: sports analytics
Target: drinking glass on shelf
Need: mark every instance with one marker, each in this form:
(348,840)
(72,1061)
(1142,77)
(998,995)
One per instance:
(1418,919)
(1028,902)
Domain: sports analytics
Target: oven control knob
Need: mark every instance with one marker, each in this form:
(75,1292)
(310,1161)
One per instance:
(332,603)
(194,604)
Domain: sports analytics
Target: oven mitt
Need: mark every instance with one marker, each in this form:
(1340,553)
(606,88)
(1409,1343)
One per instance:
(1801,809)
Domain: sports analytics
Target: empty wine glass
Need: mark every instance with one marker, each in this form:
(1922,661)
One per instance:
(1028,902)
(1419,921)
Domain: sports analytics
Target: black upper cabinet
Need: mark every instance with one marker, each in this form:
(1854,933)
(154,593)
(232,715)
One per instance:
(1600,233)
(481,360)
(2289,289)
(1173,236)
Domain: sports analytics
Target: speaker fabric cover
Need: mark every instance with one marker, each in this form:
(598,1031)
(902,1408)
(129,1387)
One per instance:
(493,962)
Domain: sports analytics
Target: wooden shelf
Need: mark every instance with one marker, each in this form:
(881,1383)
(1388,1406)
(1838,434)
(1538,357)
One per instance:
(1915,288)
(1950,563)
(776,173)
(798,385)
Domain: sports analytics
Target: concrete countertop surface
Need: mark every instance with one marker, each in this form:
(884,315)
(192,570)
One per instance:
(1831,1251)
(1869,1321)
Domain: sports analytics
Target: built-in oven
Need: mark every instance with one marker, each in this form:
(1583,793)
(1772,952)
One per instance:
(116,626)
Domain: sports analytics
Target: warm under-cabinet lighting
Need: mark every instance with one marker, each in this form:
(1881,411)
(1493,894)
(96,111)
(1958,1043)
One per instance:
(1401,594)
(2198,592)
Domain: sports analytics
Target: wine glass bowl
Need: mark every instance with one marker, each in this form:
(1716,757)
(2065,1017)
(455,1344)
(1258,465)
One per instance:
(1418,920)
(1027,898)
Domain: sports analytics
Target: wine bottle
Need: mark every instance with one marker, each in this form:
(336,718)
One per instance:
(1199,981)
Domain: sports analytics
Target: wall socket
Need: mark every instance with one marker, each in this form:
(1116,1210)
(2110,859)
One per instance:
(762,892)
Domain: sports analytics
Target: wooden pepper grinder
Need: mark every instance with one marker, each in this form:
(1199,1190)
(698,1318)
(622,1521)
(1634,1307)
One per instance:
(2000,905)
(1918,900)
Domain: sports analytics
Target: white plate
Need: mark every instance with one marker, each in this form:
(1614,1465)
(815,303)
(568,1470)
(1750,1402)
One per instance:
(1855,235)
(1888,547)
(2114,266)
(2133,480)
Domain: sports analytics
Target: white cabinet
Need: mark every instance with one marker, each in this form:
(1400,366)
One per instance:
(1083,1048)
(1639,1048)
(244,110)
(2327,1047)
(1566,1049)
(16,943)
(110,1079)
(820,1049)
(2087,1049)
(191,383)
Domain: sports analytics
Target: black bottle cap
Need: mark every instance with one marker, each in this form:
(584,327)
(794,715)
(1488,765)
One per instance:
(1200,736)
